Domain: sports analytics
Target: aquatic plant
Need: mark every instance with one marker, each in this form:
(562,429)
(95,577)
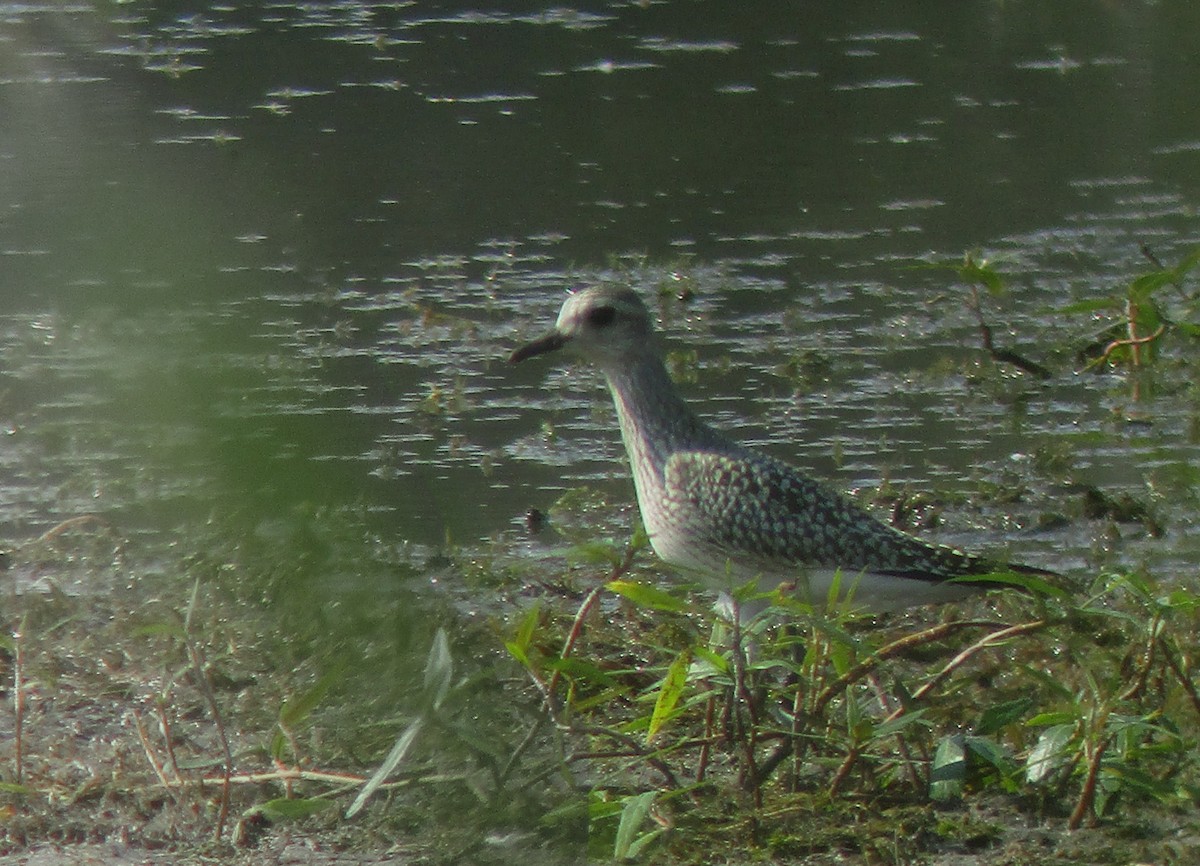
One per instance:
(1089,701)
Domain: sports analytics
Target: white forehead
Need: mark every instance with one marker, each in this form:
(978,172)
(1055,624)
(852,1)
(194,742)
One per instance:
(623,300)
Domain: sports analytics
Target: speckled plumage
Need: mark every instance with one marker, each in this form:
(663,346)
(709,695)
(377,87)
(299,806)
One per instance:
(729,513)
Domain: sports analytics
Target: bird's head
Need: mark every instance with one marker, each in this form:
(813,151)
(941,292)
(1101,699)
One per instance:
(606,325)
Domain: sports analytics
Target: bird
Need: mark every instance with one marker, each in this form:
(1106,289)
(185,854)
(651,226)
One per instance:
(730,514)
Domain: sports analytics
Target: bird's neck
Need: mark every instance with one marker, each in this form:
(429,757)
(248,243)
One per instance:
(655,422)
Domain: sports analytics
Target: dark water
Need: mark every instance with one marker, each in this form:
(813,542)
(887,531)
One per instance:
(260,264)
(243,246)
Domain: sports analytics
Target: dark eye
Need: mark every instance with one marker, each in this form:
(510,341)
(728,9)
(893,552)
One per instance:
(601,316)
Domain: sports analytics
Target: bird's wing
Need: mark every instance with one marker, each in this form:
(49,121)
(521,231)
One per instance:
(754,506)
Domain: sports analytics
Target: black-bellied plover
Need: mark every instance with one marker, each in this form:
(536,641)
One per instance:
(732,514)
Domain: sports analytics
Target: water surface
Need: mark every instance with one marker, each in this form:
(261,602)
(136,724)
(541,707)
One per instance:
(272,256)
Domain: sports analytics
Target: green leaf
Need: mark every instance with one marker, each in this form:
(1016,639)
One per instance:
(842,657)
(949,771)
(1117,776)
(601,807)
(1049,753)
(290,809)
(390,763)
(1029,582)
(596,553)
(519,646)
(1142,288)
(719,663)
(439,669)
(838,636)
(858,726)
(991,753)
(1059,718)
(580,670)
(669,693)
(899,724)
(297,709)
(279,746)
(518,652)
(645,595)
(642,841)
(633,814)
(193,602)
(1001,715)
(1112,305)
(529,624)
(982,274)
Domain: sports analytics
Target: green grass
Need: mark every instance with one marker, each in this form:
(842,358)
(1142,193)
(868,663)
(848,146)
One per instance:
(1071,710)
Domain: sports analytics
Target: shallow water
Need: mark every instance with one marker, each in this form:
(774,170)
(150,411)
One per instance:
(262,265)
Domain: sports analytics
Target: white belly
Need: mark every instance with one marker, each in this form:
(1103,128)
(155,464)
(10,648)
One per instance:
(874,592)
